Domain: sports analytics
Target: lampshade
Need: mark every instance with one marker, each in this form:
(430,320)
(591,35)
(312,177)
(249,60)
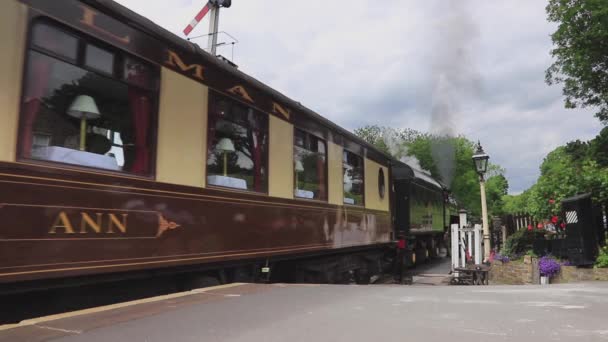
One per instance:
(83,107)
(480,158)
(225,145)
(299,166)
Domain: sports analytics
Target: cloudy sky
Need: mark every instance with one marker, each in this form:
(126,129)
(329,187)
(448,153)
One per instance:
(471,67)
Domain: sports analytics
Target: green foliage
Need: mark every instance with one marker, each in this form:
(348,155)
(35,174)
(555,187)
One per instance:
(602,258)
(518,243)
(581,53)
(388,140)
(577,167)
(530,253)
(598,148)
(515,203)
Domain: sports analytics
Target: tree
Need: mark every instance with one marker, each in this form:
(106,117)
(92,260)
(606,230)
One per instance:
(566,171)
(387,139)
(581,53)
(598,148)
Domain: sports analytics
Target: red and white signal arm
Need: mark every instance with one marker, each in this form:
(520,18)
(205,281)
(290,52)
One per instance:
(203,12)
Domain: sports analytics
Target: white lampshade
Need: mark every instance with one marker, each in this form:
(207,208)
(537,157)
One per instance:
(299,166)
(225,145)
(84,107)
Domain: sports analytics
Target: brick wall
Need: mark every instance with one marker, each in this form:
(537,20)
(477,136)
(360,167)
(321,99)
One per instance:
(522,272)
(571,274)
(518,272)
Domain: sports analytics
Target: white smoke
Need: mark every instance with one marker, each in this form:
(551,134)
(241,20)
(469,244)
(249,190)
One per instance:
(456,79)
(398,149)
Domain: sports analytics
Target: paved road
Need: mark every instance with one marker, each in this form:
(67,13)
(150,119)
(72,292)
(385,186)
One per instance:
(435,272)
(348,313)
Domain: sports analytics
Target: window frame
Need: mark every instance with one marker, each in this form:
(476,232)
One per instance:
(210,119)
(120,56)
(362,204)
(325,171)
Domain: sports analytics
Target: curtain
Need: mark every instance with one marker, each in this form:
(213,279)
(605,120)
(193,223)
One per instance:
(257,160)
(321,176)
(38,75)
(140,112)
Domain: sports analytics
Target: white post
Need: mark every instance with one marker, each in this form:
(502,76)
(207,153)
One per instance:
(214,21)
(455,248)
(478,251)
(470,243)
(484,218)
(463,252)
(462,214)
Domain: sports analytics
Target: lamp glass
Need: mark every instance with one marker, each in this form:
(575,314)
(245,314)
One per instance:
(225,145)
(480,158)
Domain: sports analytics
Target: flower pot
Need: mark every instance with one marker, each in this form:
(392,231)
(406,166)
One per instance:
(544,280)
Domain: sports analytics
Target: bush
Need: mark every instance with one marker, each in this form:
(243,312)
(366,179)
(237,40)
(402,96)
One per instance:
(602,258)
(548,266)
(531,253)
(518,243)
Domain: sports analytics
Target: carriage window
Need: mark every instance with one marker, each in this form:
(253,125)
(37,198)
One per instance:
(73,114)
(238,145)
(309,166)
(99,59)
(56,41)
(353,178)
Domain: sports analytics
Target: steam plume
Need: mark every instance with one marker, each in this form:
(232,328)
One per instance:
(456,80)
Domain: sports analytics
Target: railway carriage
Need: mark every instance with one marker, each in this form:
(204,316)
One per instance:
(126,149)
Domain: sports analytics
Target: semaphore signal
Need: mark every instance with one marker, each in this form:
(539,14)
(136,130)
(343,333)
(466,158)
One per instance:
(212,6)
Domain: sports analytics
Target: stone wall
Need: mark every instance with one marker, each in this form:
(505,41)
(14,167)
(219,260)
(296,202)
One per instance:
(571,274)
(525,271)
(517,272)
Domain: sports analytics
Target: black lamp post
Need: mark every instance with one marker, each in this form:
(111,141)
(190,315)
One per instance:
(480,160)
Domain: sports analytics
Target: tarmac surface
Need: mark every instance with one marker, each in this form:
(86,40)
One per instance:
(280,312)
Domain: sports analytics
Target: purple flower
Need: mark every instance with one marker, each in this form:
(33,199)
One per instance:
(502,258)
(548,266)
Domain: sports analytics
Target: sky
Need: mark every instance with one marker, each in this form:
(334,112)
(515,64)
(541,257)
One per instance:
(471,67)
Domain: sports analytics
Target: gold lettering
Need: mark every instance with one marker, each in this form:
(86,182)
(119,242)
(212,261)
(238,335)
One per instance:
(278,109)
(122,226)
(240,91)
(62,221)
(88,18)
(175,61)
(86,220)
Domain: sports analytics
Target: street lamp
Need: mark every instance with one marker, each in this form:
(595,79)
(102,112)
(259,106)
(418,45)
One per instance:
(480,159)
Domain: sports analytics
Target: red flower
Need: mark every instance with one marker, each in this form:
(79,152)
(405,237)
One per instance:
(554,219)
(552,201)
(563,225)
(529,227)
(539,226)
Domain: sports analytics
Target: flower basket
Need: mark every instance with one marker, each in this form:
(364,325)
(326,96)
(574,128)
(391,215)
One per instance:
(548,267)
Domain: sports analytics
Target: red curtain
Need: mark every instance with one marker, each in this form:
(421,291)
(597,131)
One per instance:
(140,111)
(37,84)
(321,176)
(257,160)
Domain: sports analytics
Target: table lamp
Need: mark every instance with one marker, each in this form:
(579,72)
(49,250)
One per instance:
(225,145)
(299,168)
(84,108)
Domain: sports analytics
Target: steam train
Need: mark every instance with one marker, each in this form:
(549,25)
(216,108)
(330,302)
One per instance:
(126,150)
